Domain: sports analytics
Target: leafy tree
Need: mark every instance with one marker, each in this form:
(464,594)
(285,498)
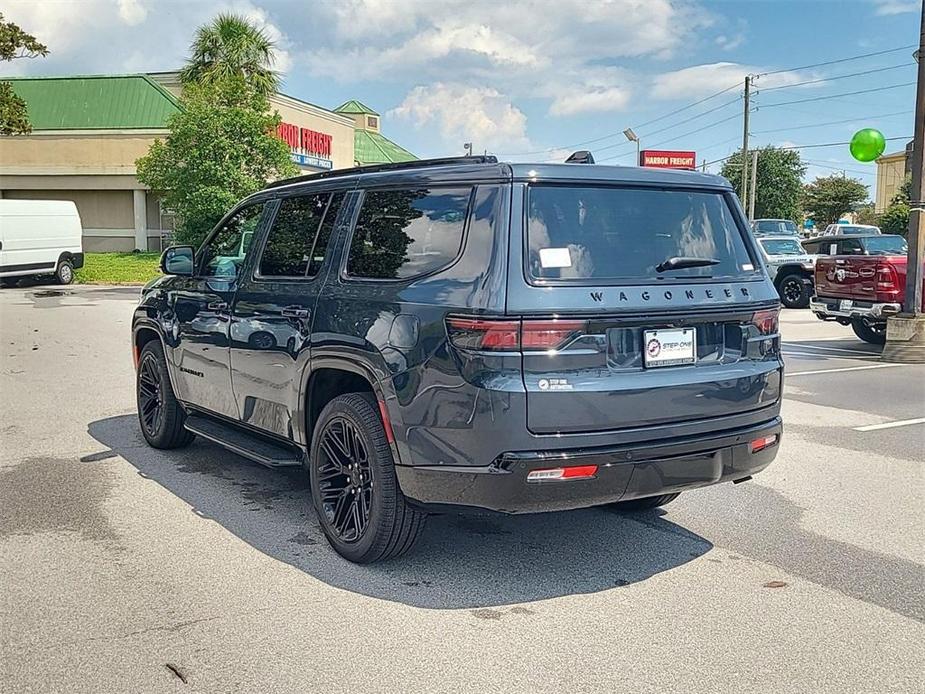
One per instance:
(829,197)
(15,44)
(865,215)
(221,148)
(232,47)
(778,182)
(895,218)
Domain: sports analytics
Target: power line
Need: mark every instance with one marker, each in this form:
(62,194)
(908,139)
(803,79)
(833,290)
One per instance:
(834,77)
(840,60)
(824,144)
(835,96)
(833,122)
(678,137)
(838,168)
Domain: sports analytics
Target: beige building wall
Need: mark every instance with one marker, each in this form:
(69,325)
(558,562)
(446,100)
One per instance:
(891,170)
(74,152)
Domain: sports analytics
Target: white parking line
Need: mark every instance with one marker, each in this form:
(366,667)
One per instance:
(791,374)
(822,355)
(798,345)
(891,425)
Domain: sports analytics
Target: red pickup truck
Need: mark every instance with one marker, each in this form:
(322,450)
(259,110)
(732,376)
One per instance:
(863,285)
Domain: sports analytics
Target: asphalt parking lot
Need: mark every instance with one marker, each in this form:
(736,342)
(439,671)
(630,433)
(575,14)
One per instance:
(124,569)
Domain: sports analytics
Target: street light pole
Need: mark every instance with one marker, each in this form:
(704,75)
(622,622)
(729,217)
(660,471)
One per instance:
(905,333)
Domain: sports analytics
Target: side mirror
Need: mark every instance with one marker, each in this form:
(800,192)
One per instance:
(178,260)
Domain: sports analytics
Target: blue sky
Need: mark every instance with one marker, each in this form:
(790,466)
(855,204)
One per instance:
(536,77)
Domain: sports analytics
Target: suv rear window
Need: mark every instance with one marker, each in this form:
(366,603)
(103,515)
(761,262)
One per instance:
(608,233)
(886,245)
(407,233)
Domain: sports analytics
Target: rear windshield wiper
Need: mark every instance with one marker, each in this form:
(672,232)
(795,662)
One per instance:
(678,263)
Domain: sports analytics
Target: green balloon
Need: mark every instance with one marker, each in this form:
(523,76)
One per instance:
(867,144)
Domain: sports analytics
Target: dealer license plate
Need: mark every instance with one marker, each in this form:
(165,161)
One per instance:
(845,305)
(670,347)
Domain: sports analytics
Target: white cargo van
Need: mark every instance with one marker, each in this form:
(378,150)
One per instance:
(39,237)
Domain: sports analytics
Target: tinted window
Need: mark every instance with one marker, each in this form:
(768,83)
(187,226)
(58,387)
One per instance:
(886,245)
(850,247)
(781,246)
(290,239)
(775,226)
(850,229)
(225,252)
(407,233)
(324,234)
(625,233)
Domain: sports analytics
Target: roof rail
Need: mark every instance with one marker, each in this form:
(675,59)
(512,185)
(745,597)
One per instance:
(396,166)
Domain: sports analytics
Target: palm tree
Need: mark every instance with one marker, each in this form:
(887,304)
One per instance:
(232,46)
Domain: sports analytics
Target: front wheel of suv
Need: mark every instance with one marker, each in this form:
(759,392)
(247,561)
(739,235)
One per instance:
(159,413)
(874,334)
(794,291)
(645,504)
(361,509)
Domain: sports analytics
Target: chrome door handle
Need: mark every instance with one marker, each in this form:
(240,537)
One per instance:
(217,306)
(295,312)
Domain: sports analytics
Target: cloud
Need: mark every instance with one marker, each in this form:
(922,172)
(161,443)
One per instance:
(891,7)
(728,43)
(108,36)
(480,115)
(701,80)
(132,12)
(580,101)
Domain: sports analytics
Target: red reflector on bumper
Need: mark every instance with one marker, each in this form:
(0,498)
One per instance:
(576,472)
(762,443)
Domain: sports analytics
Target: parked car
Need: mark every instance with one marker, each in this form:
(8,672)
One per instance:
(851,230)
(39,237)
(468,333)
(775,227)
(862,285)
(790,267)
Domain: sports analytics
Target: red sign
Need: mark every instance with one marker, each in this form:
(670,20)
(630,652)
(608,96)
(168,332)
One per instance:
(667,159)
(307,140)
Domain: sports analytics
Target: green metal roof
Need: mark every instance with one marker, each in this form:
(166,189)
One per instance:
(89,103)
(354,106)
(372,148)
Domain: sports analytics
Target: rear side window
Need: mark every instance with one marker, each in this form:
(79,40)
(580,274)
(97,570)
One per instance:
(295,244)
(600,234)
(401,234)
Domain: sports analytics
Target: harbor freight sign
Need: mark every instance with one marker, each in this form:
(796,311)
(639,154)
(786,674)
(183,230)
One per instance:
(309,147)
(667,159)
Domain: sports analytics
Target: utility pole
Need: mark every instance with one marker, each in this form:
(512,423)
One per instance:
(748,84)
(754,187)
(905,333)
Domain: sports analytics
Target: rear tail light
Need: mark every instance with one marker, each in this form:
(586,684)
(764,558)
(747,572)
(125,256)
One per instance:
(762,443)
(887,278)
(575,472)
(767,321)
(505,335)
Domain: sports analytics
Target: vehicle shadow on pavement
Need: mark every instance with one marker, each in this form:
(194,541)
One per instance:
(462,561)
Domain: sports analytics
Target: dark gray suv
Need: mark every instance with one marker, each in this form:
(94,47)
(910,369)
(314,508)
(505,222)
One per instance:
(469,333)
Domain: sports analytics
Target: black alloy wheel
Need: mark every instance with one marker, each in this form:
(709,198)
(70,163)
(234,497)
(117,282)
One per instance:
(361,509)
(794,292)
(150,395)
(159,413)
(872,333)
(345,479)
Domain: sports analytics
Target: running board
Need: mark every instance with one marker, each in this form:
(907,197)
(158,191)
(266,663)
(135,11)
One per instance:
(242,443)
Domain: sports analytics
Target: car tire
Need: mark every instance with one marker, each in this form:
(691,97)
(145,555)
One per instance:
(354,489)
(64,273)
(160,414)
(875,336)
(645,504)
(794,292)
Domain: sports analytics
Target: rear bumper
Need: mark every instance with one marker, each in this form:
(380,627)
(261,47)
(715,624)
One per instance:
(77,260)
(624,472)
(832,308)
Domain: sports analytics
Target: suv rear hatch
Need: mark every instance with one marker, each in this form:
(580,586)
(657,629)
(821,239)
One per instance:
(640,306)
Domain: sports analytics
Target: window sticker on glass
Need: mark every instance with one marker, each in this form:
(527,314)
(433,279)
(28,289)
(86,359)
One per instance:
(555,257)
(748,267)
